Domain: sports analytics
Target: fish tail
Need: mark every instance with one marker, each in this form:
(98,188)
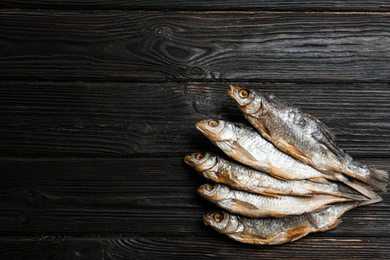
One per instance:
(372,181)
(379,174)
(346,191)
(360,187)
(373,177)
(370,201)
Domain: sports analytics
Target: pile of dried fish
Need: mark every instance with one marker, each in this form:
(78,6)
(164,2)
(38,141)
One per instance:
(292,178)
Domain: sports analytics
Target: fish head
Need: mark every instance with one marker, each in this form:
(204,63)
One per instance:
(206,164)
(201,161)
(221,221)
(248,101)
(214,192)
(216,130)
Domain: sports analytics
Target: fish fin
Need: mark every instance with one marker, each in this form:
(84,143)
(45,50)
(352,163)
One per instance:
(375,183)
(332,226)
(277,173)
(270,194)
(379,174)
(326,137)
(375,178)
(275,214)
(371,201)
(264,131)
(248,239)
(347,192)
(329,174)
(291,150)
(236,147)
(325,129)
(297,233)
(332,147)
(325,206)
(244,204)
(319,180)
(360,187)
(225,180)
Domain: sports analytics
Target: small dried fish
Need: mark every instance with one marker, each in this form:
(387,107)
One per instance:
(247,146)
(302,136)
(274,231)
(237,176)
(259,206)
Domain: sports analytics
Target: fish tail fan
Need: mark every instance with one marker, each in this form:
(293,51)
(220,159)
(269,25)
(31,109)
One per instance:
(371,201)
(347,192)
(375,183)
(373,177)
(379,174)
(360,187)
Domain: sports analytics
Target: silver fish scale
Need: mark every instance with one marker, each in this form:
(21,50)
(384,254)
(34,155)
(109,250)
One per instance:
(306,134)
(318,221)
(256,181)
(269,227)
(282,205)
(267,155)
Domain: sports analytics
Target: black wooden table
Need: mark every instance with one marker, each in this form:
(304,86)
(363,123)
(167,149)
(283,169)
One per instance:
(98,101)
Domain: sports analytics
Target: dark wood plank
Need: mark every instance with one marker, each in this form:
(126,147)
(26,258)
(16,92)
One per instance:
(261,46)
(138,119)
(188,248)
(144,197)
(203,5)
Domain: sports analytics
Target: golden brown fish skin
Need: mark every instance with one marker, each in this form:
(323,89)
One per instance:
(217,169)
(246,145)
(274,231)
(259,206)
(301,135)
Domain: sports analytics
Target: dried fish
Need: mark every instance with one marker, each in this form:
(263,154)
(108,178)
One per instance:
(274,231)
(303,137)
(259,206)
(237,176)
(247,146)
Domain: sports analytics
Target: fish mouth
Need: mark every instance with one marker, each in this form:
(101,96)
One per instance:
(187,159)
(210,197)
(206,218)
(202,192)
(230,92)
(199,127)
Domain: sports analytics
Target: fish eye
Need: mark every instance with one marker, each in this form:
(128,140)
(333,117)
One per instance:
(213,123)
(199,156)
(218,217)
(209,187)
(243,93)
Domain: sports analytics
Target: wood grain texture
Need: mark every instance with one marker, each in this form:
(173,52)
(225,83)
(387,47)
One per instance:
(157,119)
(188,248)
(98,101)
(133,46)
(143,197)
(203,5)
